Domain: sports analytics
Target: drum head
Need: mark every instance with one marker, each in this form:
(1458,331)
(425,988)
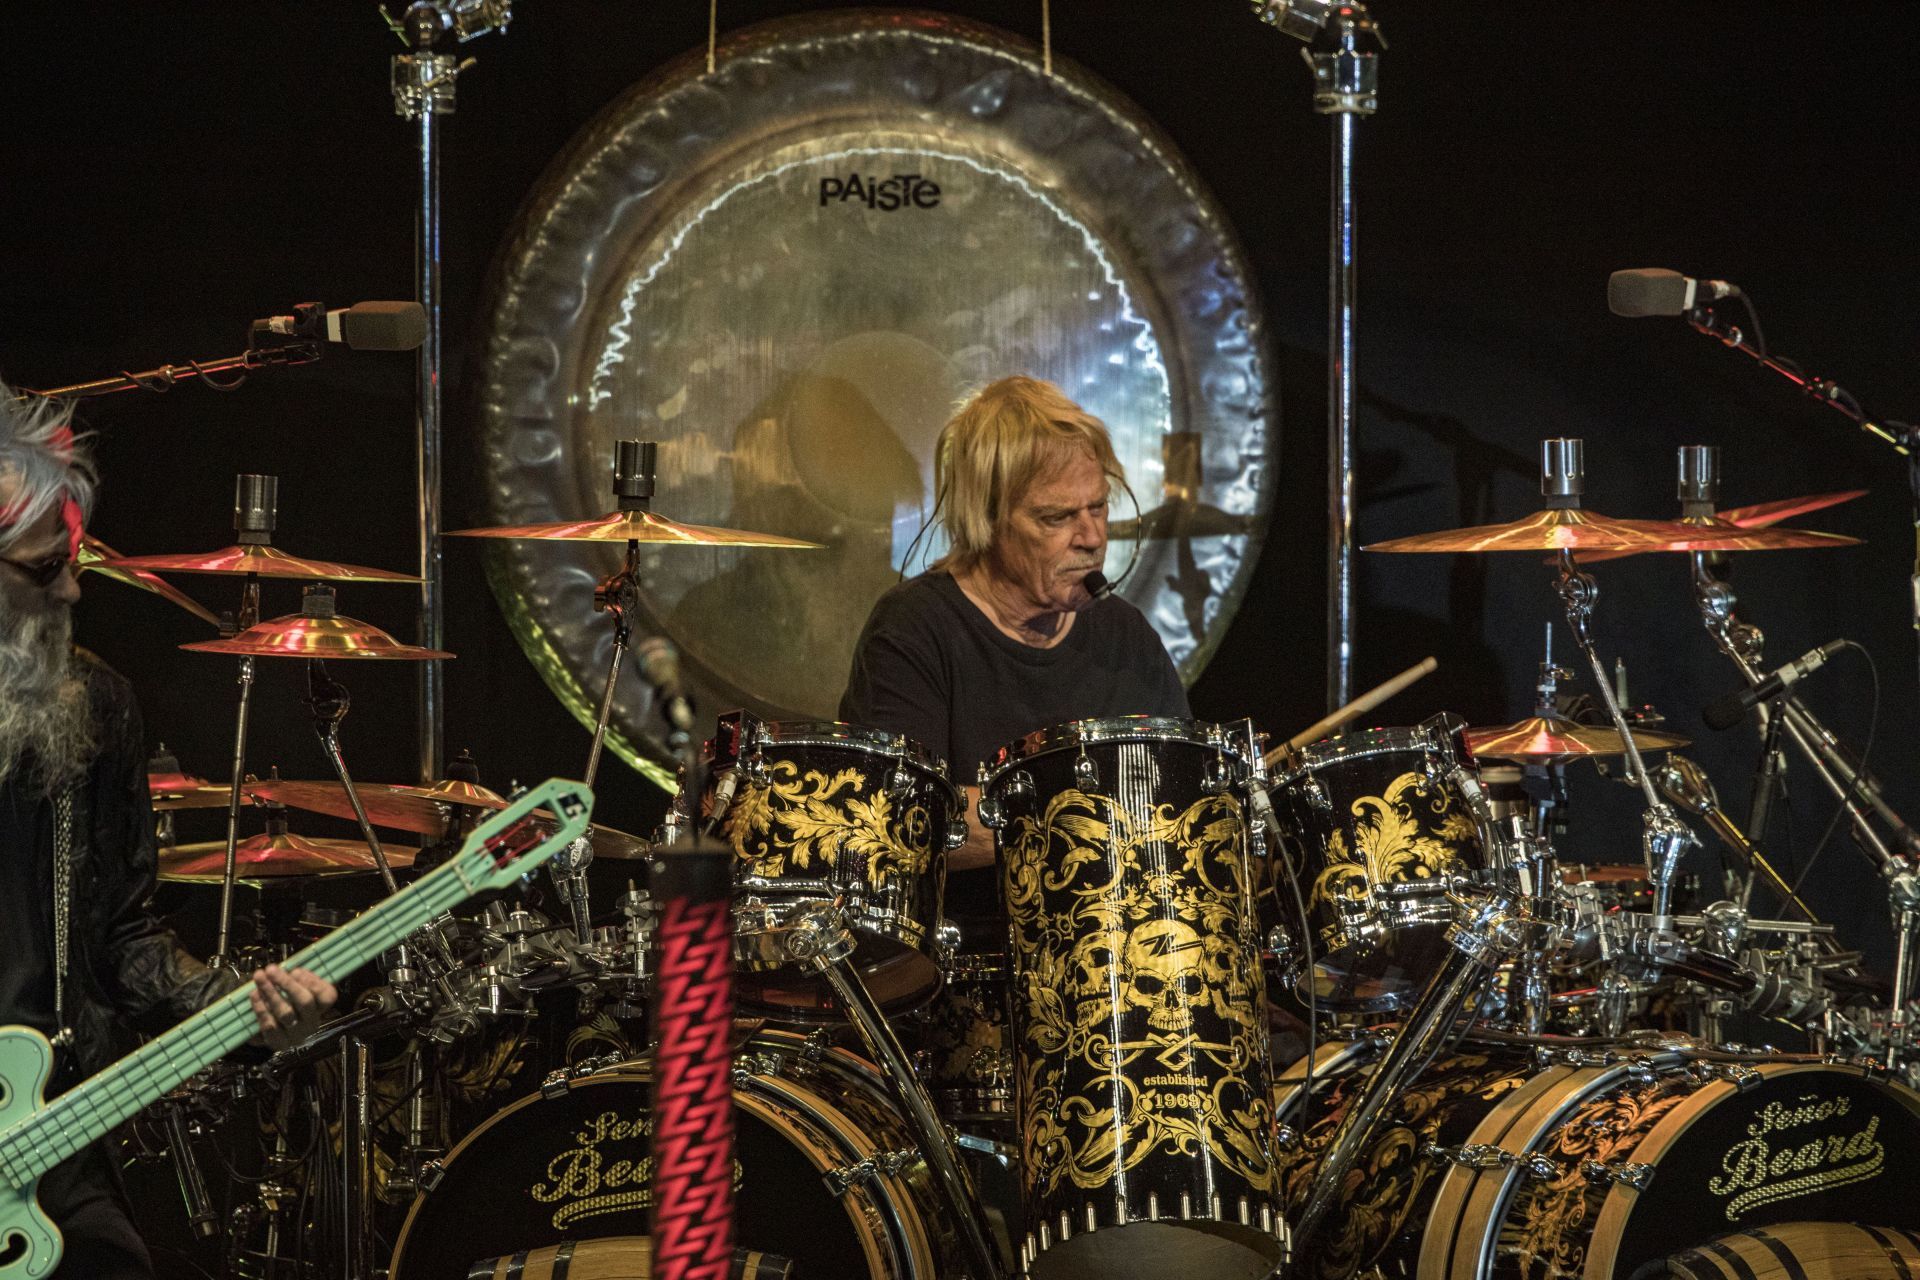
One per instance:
(786,272)
(579,1166)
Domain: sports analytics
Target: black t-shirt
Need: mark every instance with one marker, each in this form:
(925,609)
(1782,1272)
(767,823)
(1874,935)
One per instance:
(26,902)
(931,665)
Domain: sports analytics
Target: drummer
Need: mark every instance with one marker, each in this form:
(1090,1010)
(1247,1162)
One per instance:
(1002,636)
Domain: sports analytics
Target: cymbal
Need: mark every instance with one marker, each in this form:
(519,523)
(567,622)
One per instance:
(635,526)
(173,791)
(268,562)
(268,857)
(421,810)
(1539,740)
(1562,529)
(299,636)
(95,556)
(1737,524)
(1181,520)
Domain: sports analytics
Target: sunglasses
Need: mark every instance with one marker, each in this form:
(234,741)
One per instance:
(45,572)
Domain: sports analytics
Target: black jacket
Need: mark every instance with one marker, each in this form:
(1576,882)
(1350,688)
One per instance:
(127,971)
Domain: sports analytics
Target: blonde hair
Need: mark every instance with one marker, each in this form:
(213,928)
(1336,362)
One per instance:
(1006,437)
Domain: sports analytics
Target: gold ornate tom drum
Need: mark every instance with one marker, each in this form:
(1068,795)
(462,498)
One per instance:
(822,812)
(1140,1085)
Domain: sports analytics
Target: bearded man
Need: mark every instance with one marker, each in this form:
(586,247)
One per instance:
(84,955)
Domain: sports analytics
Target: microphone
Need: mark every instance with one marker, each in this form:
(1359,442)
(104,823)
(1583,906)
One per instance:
(1655,291)
(1097,585)
(364,326)
(1730,709)
(660,667)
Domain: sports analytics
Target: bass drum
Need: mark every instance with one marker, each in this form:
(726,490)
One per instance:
(1517,1160)
(815,1175)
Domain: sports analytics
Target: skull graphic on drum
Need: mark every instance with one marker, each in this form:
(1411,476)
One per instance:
(1167,973)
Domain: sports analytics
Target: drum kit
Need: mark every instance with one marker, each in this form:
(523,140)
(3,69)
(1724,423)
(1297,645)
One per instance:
(1503,1049)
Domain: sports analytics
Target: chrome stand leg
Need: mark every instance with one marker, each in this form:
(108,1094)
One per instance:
(1478,947)
(936,1145)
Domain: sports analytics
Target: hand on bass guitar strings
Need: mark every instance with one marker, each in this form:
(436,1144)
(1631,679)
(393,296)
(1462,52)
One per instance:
(290,1004)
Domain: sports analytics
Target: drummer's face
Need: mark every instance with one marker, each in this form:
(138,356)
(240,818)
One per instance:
(1056,536)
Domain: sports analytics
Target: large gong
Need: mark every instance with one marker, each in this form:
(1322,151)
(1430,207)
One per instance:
(787,272)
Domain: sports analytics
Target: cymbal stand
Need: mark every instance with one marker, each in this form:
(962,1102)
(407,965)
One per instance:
(1343,44)
(821,937)
(1664,838)
(256,503)
(618,596)
(422,81)
(328,699)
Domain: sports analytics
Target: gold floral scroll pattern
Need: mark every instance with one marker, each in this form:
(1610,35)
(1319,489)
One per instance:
(1547,1229)
(1413,832)
(800,824)
(1141,1023)
(1387,1187)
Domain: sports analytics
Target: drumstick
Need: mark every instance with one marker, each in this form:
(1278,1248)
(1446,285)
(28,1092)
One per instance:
(1358,707)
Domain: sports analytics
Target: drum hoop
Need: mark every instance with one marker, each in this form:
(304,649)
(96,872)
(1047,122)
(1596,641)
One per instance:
(828,733)
(1105,731)
(795,1114)
(1608,1224)
(1300,762)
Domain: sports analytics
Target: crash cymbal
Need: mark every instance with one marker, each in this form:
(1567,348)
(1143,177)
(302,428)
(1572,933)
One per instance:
(422,810)
(95,556)
(266,561)
(636,526)
(1560,529)
(1539,740)
(1750,528)
(300,635)
(268,857)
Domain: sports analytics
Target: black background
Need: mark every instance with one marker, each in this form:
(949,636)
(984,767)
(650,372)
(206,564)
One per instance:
(173,170)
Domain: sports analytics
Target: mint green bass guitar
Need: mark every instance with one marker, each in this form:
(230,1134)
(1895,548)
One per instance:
(35,1136)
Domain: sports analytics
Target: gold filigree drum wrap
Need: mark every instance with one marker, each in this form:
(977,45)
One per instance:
(1141,1079)
(824,811)
(1510,1160)
(1374,830)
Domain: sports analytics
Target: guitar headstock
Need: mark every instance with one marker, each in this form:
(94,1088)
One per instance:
(521,837)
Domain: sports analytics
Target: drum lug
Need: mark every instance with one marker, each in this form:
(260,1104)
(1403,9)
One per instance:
(1280,946)
(957,833)
(1218,776)
(749,1065)
(815,1046)
(884,1164)
(991,815)
(1637,1176)
(946,943)
(1480,1155)
(430,1175)
(756,769)
(899,781)
(1316,795)
(1086,774)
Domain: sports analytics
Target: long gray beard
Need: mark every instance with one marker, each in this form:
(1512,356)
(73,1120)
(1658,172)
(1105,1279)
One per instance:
(44,713)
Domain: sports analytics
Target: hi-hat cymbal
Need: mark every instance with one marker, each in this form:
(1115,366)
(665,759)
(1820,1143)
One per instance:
(174,791)
(1539,740)
(1560,529)
(421,810)
(636,526)
(97,557)
(298,635)
(266,561)
(268,857)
